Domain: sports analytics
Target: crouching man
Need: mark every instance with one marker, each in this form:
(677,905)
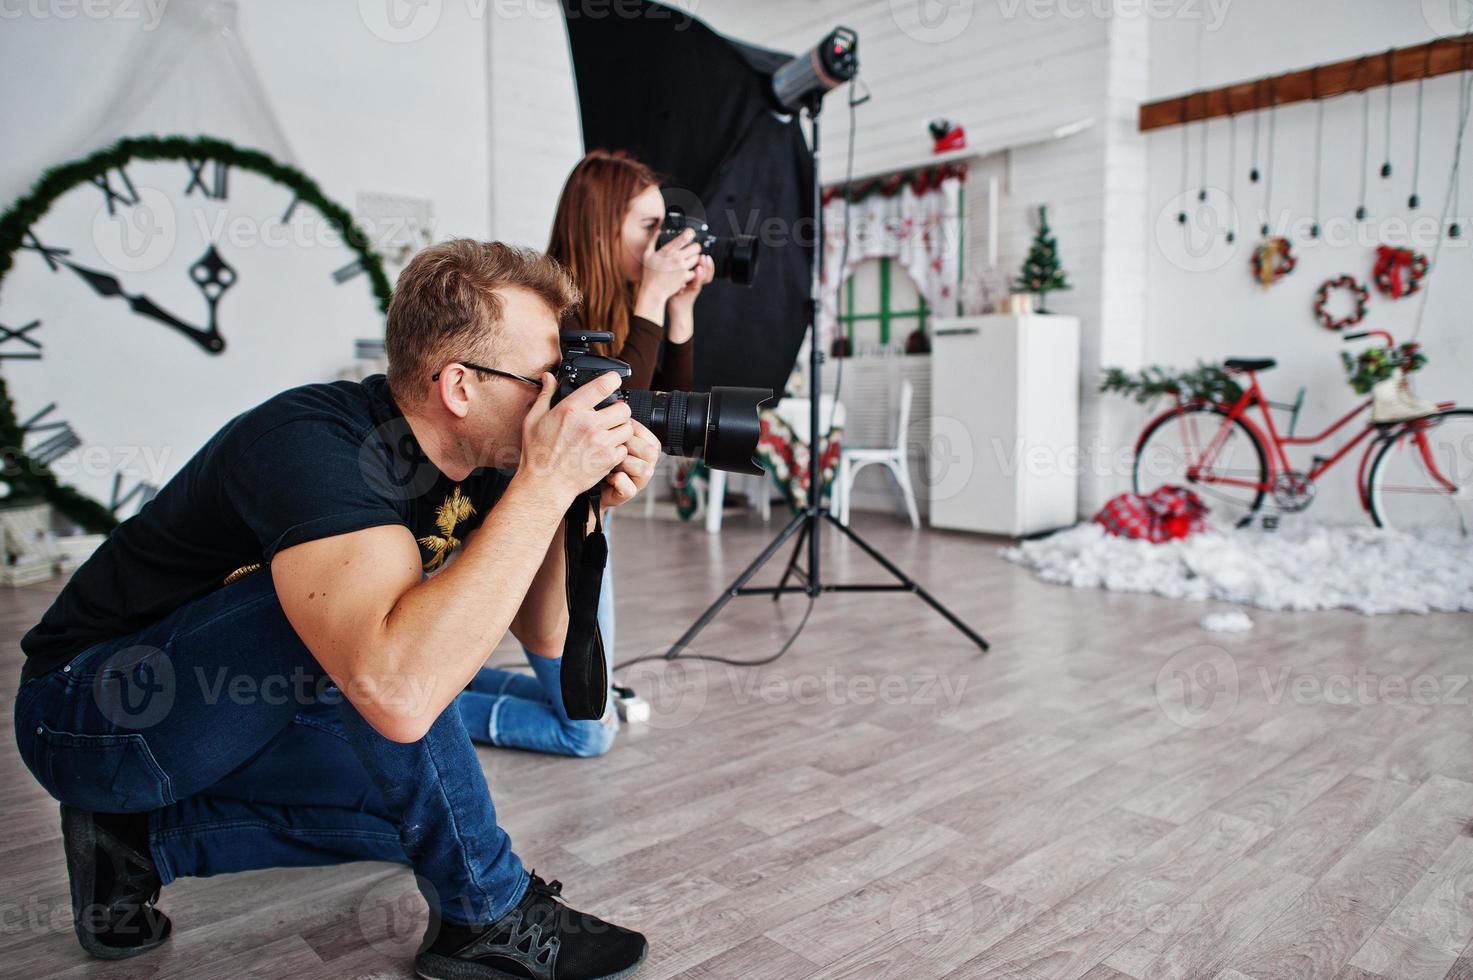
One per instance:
(258,670)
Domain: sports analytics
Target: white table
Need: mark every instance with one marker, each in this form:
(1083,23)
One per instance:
(794,412)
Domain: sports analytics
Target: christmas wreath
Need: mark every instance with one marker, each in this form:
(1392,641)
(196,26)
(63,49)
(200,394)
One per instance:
(1375,364)
(1322,296)
(1272,260)
(1399,271)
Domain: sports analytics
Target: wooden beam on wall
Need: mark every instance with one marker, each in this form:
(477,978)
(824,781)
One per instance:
(1442,57)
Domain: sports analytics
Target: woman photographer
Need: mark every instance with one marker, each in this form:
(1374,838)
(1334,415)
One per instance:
(608,219)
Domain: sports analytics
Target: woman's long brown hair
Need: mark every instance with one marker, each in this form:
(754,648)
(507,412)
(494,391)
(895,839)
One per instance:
(586,235)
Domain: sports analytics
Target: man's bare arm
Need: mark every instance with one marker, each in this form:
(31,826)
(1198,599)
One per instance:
(401,648)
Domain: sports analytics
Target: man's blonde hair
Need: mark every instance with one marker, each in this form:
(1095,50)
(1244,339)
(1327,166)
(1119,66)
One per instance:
(446,306)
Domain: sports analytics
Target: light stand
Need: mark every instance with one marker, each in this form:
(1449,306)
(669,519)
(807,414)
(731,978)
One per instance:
(810,520)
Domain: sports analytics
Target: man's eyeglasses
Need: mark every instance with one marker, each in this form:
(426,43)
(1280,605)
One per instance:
(498,372)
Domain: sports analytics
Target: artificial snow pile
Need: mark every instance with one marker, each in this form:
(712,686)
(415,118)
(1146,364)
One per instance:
(1299,567)
(1233,621)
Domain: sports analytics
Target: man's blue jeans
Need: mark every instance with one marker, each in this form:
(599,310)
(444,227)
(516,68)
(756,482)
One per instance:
(219,723)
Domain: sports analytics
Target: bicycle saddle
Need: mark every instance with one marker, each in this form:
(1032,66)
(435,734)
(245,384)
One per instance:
(1249,363)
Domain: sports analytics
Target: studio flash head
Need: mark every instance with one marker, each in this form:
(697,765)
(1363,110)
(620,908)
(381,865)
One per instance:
(805,80)
(720,427)
(735,256)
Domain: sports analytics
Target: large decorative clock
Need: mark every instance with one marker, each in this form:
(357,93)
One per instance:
(150,292)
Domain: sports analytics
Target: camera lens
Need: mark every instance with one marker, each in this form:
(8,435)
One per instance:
(736,259)
(721,427)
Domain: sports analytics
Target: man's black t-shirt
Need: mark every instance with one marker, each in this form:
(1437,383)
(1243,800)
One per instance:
(309,463)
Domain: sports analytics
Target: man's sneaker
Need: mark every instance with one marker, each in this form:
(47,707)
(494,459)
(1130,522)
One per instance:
(540,939)
(114,883)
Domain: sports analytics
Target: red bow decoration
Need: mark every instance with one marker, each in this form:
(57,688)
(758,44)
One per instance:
(1399,271)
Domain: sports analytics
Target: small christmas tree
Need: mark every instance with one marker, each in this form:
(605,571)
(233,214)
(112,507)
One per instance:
(1041,272)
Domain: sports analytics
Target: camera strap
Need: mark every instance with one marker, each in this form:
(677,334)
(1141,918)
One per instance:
(585,673)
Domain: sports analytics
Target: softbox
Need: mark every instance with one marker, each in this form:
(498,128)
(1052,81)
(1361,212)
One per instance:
(697,108)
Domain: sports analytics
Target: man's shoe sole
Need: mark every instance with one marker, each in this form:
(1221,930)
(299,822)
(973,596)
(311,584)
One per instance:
(433,966)
(80,837)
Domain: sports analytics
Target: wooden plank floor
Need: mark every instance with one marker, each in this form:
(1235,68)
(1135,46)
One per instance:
(1110,793)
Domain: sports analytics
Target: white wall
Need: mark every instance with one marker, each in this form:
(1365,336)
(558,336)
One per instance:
(1203,302)
(362,110)
(1008,71)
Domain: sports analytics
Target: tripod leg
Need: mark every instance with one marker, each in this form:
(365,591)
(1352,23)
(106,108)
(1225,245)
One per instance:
(792,562)
(799,521)
(909,583)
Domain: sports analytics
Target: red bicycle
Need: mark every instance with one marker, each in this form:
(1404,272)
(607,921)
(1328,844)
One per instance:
(1415,475)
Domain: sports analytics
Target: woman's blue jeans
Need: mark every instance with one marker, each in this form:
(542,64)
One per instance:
(219,723)
(512,709)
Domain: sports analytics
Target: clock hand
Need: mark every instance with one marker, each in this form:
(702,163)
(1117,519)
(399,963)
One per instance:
(107,285)
(213,275)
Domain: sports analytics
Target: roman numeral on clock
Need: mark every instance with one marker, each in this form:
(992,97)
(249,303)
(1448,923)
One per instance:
(212,185)
(347,272)
(142,491)
(127,195)
(7,334)
(63,440)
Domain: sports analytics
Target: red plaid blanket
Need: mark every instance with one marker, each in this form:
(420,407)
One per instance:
(1167,514)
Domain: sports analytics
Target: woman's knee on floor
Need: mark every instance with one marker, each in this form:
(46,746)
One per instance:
(586,739)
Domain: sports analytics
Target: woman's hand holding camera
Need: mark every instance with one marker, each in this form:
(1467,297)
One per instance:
(667,272)
(682,304)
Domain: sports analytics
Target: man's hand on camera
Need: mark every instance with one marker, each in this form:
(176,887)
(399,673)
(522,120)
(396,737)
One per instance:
(634,473)
(568,448)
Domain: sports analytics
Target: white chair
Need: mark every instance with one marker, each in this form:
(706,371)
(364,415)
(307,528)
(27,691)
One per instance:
(851,461)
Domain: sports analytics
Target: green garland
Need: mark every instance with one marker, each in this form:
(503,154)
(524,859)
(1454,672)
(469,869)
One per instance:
(30,208)
(29,478)
(1206,382)
(920,181)
(1375,364)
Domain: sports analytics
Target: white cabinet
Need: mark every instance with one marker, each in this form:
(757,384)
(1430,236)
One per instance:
(1004,455)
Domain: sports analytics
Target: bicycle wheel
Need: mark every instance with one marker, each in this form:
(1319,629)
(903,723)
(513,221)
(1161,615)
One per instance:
(1173,451)
(1422,478)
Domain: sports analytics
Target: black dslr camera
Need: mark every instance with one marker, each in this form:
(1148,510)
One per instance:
(720,427)
(735,257)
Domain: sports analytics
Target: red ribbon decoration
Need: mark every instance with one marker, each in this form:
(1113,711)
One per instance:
(1398,270)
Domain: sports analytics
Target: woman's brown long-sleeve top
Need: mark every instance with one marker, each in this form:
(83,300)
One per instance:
(641,351)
